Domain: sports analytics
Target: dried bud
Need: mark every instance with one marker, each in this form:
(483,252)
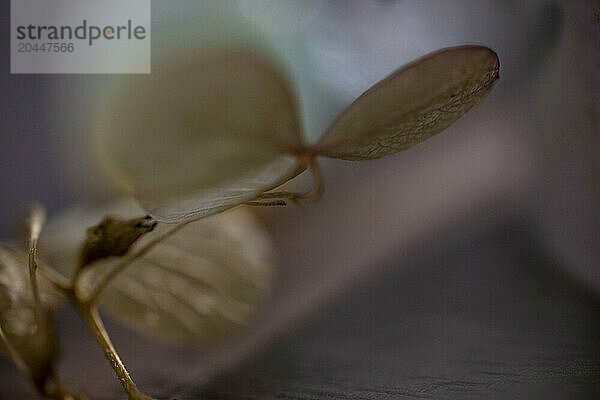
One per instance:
(113,237)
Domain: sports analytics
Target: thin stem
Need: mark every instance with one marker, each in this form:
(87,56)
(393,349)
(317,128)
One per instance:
(60,282)
(313,194)
(87,310)
(275,203)
(96,326)
(93,298)
(39,310)
(35,222)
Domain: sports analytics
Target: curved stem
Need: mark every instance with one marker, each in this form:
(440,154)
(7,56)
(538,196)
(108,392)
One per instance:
(86,308)
(35,223)
(313,194)
(60,282)
(95,325)
(275,203)
(88,311)
(39,310)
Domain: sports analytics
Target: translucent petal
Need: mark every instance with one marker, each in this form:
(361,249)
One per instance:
(38,348)
(200,203)
(201,284)
(206,130)
(412,104)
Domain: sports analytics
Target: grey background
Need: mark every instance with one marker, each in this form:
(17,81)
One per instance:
(466,267)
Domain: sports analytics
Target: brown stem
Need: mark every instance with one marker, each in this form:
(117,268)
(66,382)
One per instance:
(313,194)
(95,325)
(60,282)
(35,223)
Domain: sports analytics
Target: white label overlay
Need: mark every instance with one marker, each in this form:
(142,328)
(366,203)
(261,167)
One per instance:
(80,36)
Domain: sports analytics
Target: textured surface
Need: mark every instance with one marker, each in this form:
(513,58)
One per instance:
(484,315)
(488,318)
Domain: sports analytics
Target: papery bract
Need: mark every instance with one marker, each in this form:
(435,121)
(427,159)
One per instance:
(36,345)
(203,132)
(412,104)
(219,128)
(201,284)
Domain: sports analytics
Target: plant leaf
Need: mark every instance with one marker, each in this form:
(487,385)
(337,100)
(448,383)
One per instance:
(197,204)
(205,131)
(412,104)
(37,347)
(201,284)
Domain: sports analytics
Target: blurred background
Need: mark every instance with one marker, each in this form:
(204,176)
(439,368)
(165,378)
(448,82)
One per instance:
(465,267)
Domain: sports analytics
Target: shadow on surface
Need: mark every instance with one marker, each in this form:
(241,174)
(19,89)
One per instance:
(484,317)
